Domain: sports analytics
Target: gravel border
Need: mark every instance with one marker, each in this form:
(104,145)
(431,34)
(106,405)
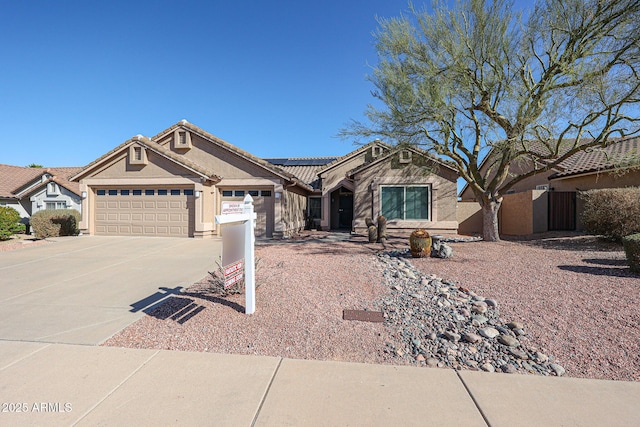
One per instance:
(574,295)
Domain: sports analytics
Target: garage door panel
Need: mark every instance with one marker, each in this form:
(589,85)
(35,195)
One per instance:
(143,215)
(264,209)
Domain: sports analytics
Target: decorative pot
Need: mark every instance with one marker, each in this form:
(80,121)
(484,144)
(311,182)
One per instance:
(420,243)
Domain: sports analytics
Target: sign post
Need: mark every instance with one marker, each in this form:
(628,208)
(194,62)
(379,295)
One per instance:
(248,219)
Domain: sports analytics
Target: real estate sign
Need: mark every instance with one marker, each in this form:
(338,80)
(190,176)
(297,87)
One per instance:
(238,250)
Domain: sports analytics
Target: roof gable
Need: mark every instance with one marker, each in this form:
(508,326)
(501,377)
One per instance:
(153,146)
(397,150)
(228,147)
(354,153)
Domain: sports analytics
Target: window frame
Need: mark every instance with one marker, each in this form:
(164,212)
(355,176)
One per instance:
(58,204)
(404,201)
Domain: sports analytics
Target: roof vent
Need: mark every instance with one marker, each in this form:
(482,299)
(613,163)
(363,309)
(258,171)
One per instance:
(139,137)
(184,121)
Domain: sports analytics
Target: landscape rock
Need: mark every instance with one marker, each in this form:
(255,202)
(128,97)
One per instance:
(489,332)
(437,322)
(559,370)
(508,340)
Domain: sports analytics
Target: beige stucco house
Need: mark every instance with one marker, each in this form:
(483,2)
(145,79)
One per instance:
(411,188)
(174,183)
(550,200)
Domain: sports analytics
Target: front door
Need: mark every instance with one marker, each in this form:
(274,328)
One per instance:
(342,209)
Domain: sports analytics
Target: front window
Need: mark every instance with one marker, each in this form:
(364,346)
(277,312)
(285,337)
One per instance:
(55,205)
(315,207)
(405,203)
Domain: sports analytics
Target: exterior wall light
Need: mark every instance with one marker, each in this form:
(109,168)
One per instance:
(83,194)
(197,193)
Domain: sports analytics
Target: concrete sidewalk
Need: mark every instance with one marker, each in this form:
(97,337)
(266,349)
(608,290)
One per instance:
(61,384)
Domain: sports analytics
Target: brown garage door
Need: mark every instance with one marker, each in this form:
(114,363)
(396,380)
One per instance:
(144,212)
(263,205)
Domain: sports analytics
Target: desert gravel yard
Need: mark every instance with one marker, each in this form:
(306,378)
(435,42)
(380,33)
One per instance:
(575,296)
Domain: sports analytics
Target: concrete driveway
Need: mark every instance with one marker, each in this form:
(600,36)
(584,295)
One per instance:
(82,290)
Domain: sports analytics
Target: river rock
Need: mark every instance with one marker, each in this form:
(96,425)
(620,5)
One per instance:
(559,370)
(508,340)
(489,332)
(471,337)
(515,325)
(487,367)
(452,336)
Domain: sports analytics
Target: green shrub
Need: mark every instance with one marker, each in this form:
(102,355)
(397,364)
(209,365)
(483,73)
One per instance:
(612,212)
(55,222)
(632,250)
(9,222)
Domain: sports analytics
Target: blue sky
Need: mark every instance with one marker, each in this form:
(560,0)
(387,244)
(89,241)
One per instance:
(277,78)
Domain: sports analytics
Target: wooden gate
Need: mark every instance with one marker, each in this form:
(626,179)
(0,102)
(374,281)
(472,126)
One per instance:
(562,210)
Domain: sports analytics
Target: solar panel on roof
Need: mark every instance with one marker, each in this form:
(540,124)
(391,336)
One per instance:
(301,162)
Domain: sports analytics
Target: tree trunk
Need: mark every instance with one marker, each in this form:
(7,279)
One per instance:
(490,209)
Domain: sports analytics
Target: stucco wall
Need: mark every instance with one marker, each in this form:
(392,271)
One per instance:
(294,207)
(515,170)
(441,180)
(469,217)
(517,214)
(221,161)
(596,181)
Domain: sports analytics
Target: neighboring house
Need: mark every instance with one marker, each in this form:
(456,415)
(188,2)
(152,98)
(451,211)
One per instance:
(549,200)
(29,190)
(173,184)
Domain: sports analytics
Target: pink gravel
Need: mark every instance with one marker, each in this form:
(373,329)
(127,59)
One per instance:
(20,241)
(575,295)
(302,291)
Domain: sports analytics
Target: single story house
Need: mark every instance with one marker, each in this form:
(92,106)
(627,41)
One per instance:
(550,201)
(29,190)
(174,183)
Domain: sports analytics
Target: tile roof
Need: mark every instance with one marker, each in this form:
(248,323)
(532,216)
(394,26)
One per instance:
(597,159)
(305,169)
(14,177)
(17,181)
